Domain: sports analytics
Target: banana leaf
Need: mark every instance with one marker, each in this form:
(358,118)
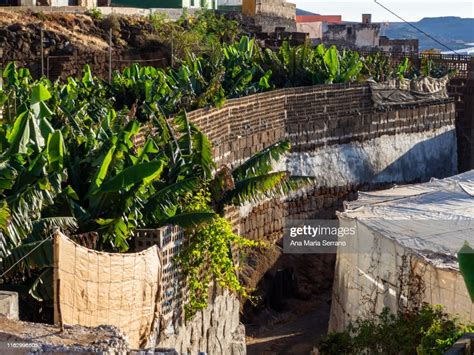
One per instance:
(466,265)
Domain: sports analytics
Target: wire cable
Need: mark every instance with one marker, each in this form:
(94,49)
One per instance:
(415,27)
(24,257)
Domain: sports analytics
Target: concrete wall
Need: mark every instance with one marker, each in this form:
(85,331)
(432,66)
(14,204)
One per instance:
(392,276)
(353,35)
(314,29)
(387,158)
(9,304)
(275,8)
(366,36)
(269,14)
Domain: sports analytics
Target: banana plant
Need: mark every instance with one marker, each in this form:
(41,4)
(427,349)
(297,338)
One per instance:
(30,166)
(31,174)
(255,179)
(243,74)
(304,65)
(377,67)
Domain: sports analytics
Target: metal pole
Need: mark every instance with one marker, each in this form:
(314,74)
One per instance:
(110,55)
(42,52)
(172,48)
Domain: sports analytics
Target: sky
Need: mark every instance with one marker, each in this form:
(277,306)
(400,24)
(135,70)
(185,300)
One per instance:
(411,10)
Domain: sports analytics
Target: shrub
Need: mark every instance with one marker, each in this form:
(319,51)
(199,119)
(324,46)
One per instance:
(428,330)
(111,22)
(95,14)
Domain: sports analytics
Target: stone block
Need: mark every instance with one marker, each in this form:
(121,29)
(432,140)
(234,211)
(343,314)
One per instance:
(9,304)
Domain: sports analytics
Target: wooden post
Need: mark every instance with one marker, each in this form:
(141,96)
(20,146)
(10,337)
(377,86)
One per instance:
(56,289)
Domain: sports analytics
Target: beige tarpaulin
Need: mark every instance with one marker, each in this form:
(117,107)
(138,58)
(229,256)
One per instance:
(93,288)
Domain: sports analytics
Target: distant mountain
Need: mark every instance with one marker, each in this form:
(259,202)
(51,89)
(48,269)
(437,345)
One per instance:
(455,32)
(300,12)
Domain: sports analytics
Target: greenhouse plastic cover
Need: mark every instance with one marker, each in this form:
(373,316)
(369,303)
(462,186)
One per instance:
(433,219)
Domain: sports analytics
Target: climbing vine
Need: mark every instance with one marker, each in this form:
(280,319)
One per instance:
(209,257)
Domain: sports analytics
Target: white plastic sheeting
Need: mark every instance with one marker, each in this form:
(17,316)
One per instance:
(405,250)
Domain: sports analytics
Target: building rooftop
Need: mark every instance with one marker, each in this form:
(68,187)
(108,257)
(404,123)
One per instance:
(433,219)
(319,18)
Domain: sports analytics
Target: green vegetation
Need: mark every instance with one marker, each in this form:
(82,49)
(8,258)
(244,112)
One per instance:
(96,14)
(424,331)
(70,158)
(466,266)
(202,34)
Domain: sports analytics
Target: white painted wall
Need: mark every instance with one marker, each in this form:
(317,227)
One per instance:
(366,282)
(367,37)
(394,158)
(315,29)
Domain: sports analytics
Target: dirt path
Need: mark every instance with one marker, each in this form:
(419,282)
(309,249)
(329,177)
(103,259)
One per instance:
(294,333)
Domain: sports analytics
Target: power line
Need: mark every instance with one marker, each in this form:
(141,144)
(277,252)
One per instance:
(25,256)
(415,27)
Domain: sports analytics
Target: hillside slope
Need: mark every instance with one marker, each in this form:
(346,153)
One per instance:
(68,35)
(455,32)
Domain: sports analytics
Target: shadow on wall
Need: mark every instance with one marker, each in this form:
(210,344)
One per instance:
(402,158)
(432,158)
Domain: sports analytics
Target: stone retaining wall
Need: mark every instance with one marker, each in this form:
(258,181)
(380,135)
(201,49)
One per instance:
(461,90)
(311,117)
(214,330)
(338,137)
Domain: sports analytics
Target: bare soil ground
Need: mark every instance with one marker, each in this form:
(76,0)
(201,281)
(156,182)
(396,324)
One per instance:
(80,29)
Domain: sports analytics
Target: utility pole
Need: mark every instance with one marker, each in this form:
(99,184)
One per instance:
(110,55)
